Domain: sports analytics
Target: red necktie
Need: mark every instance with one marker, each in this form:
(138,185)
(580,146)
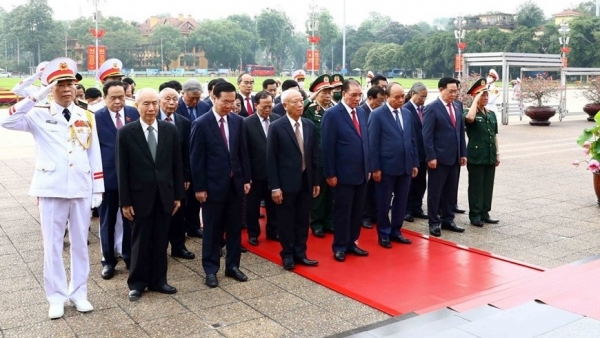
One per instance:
(420,109)
(249,106)
(355,120)
(222,127)
(169,119)
(452,117)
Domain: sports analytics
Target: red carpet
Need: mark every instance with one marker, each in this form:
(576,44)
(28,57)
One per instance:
(426,274)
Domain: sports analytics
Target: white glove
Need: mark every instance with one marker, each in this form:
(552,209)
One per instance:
(38,75)
(96,200)
(42,93)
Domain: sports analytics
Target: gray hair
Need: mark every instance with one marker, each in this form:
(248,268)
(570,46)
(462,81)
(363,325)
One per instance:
(144,91)
(286,93)
(417,87)
(165,91)
(192,85)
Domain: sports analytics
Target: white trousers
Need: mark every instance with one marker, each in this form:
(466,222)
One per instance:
(54,214)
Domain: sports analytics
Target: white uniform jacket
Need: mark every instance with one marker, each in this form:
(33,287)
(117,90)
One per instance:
(68,162)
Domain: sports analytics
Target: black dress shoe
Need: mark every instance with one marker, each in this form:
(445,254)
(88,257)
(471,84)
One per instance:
(458,210)
(253,241)
(307,262)
(243,249)
(288,264)
(420,215)
(195,233)
(95,213)
(434,230)
(477,223)
(366,223)
(358,251)
(452,227)
(183,253)
(339,256)
(212,281)
(273,238)
(236,274)
(328,230)
(409,218)
(385,243)
(108,271)
(319,233)
(168,289)
(490,220)
(134,295)
(400,239)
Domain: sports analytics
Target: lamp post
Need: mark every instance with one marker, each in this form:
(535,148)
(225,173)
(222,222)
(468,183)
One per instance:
(459,34)
(162,62)
(344,35)
(563,39)
(313,26)
(96,2)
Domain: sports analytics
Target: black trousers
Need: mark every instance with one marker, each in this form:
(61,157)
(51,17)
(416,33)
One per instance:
(149,249)
(293,216)
(177,229)
(348,207)
(108,218)
(418,185)
(370,202)
(191,210)
(442,191)
(260,190)
(222,220)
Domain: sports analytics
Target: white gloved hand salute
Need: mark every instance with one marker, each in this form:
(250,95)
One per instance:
(43,92)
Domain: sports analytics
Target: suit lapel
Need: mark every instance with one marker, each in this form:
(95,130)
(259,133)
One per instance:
(141,138)
(214,126)
(106,119)
(290,130)
(346,117)
(445,111)
(391,117)
(305,137)
(258,124)
(162,138)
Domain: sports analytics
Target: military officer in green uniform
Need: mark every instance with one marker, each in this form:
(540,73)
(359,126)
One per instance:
(320,216)
(483,155)
(336,87)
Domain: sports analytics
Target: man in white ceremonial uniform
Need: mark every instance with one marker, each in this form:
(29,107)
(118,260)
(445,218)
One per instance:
(493,91)
(68,180)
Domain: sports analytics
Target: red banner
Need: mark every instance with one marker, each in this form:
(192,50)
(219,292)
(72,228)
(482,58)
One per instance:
(310,61)
(91,56)
(458,62)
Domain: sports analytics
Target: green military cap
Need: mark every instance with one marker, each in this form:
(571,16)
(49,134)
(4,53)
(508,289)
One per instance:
(322,82)
(477,87)
(336,80)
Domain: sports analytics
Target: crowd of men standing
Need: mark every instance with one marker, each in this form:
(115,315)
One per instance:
(327,161)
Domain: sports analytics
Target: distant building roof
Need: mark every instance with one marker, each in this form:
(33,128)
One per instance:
(185,25)
(567,13)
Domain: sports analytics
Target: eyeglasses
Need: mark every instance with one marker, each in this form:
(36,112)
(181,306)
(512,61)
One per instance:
(354,95)
(248,83)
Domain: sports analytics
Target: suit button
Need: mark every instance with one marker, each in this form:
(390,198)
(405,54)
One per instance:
(71,164)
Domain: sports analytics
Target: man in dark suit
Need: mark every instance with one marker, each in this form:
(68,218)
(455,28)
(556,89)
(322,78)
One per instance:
(256,129)
(416,99)
(375,98)
(209,88)
(191,107)
(221,176)
(292,161)
(168,105)
(109,119)
(150,174)
(245,84)
(346,157)
(393,161)
(287,84)
(445,151)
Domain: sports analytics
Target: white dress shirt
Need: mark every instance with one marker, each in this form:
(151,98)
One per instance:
(225,125)
(293,123)
(447,109)
(145,129)
(163,117)
(394,115)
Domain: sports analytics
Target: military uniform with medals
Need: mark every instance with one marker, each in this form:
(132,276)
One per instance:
(321,213)
(67,180)
(481,159)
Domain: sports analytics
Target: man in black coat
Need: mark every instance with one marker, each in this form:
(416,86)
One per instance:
(150,176)
(256,130)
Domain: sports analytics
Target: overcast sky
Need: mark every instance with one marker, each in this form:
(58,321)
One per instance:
(405,12)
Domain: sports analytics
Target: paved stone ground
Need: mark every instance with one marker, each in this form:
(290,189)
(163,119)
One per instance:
(547,209)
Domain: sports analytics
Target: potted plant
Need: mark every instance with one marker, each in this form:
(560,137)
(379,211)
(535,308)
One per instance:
(589,140)
(539,90)
(592,93)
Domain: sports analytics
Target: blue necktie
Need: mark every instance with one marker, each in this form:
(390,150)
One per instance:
(398,119)
(192,112)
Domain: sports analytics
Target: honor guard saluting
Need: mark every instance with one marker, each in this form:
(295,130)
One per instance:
(493,92)
(322,206)
(336,88)
(108,71)
(67,180)
(482,154)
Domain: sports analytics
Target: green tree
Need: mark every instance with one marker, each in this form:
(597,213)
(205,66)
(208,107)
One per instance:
(122,41)
(522,41)
(530,15)
(487,40)
(438,54)
(396,32)
(32,24)
(223,41)
(169,40)
(375,22)
(249,25)
(382,57)
(587,8)
(329,34)
(274,30)
(585,36)
(360,56)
